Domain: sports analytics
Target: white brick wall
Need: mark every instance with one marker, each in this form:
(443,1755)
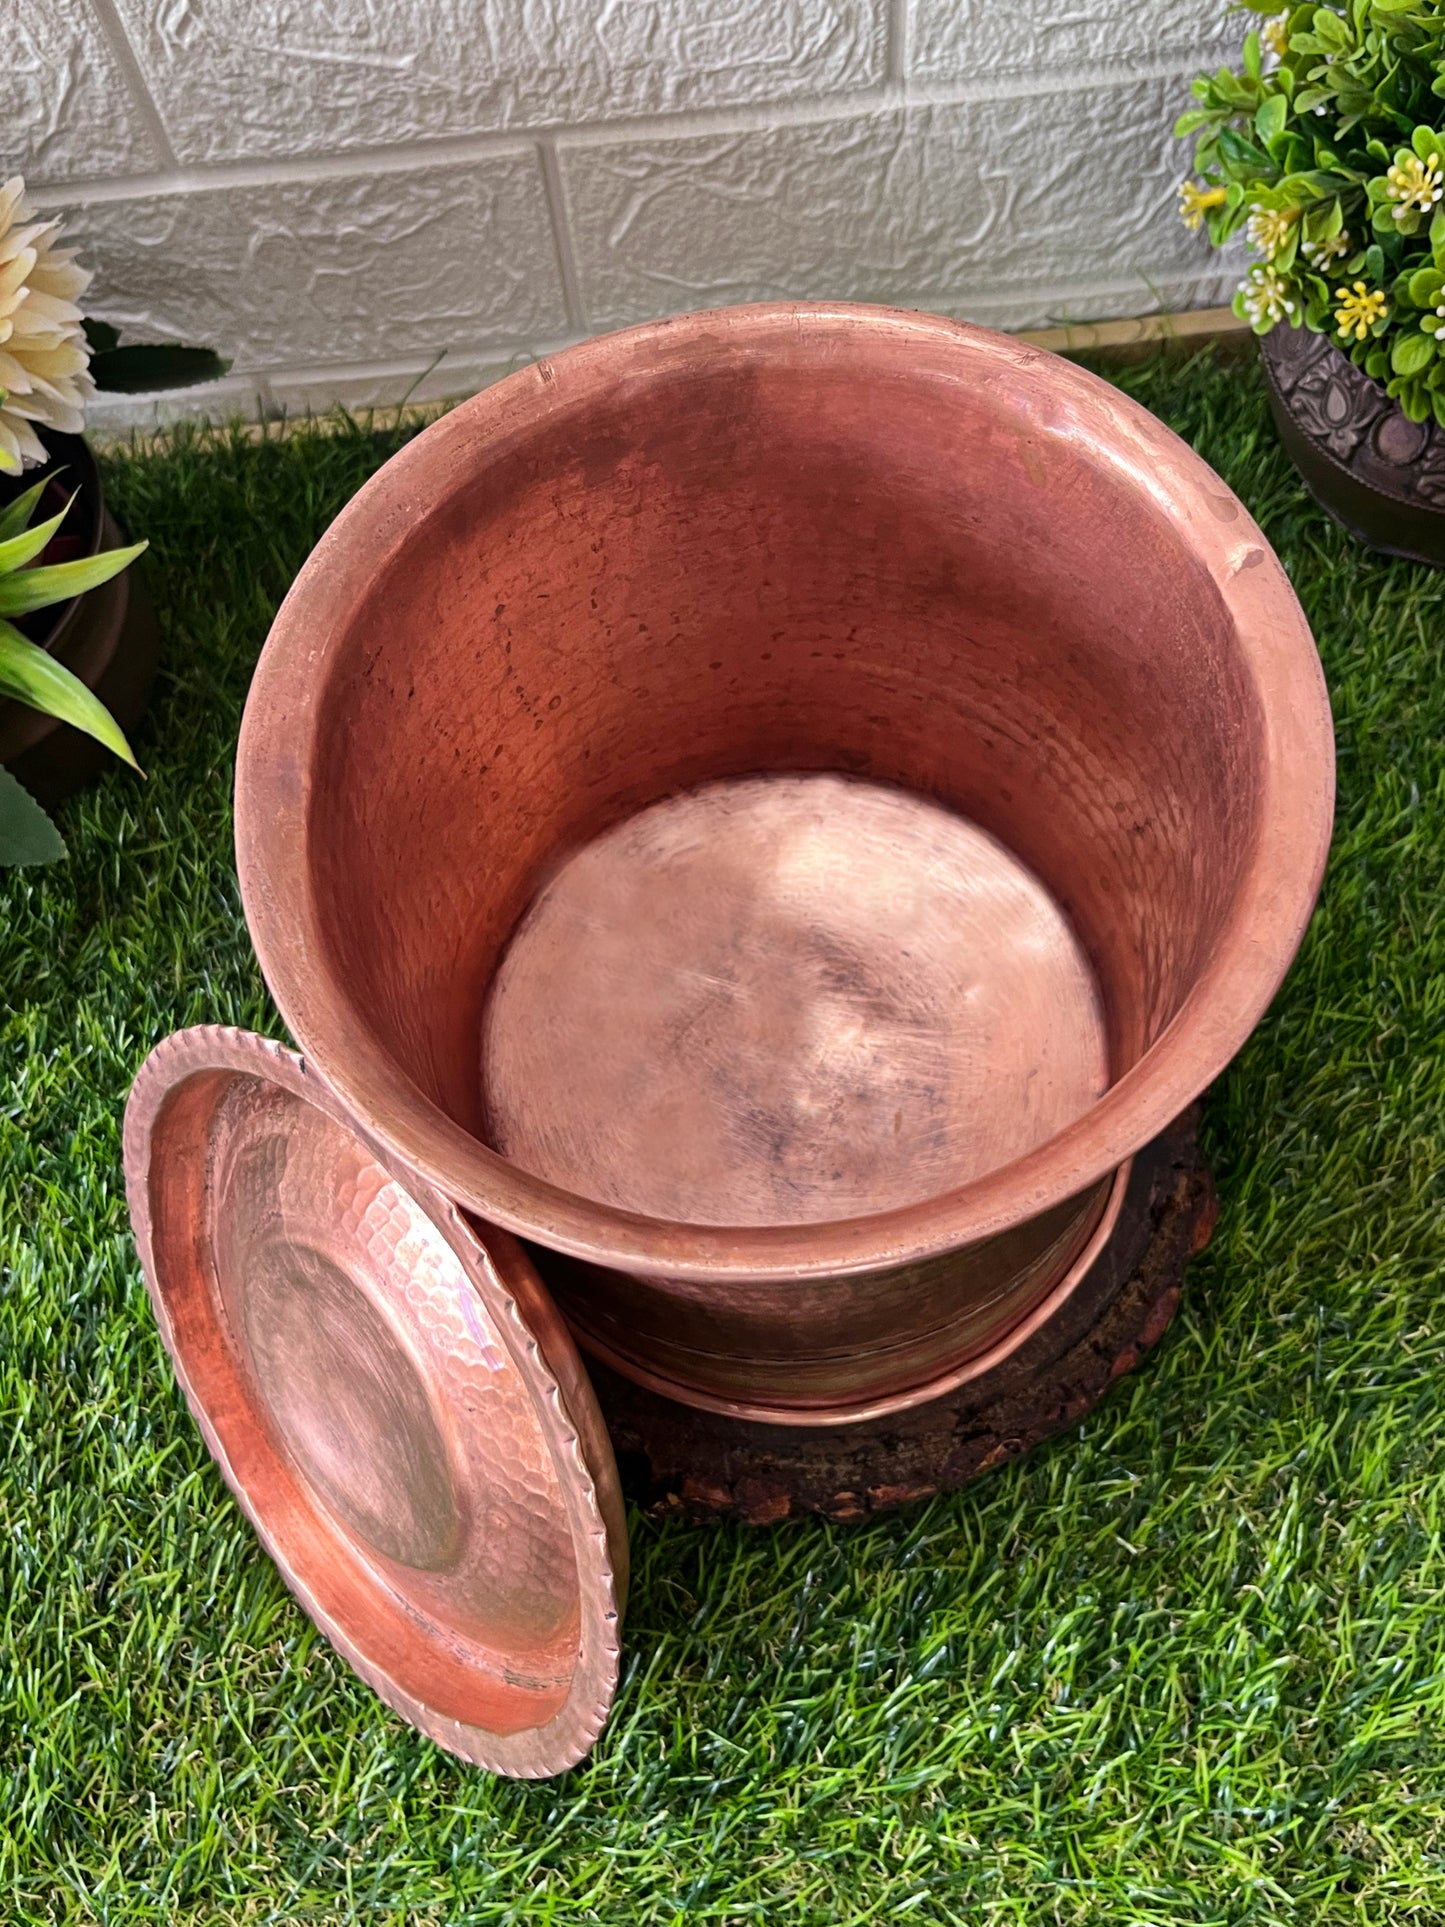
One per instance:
(337,193)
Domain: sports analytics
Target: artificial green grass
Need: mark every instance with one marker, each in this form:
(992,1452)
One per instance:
(1185,1664)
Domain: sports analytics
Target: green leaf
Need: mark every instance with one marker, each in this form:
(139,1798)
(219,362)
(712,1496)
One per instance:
(1415,402)
(39,588)
(1271,118)
(1424,287)
(1324,221)
(1412,354)
(1437,402)
(1331,29)
(1253,65)
(1186,124)
(139,369)
(31,676)
(22,508)
(100,336)
(1375,262)
(1426,143)
(27,834)
(1243,154)
(22,548)
(1315,182)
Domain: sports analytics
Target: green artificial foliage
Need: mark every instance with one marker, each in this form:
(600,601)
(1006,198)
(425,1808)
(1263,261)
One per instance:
(27,834)
(1184,1666)
(1326,148)
(28,673)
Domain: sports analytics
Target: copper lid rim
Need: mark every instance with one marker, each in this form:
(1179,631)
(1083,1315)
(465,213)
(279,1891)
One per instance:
(601,1562)
(1256,945)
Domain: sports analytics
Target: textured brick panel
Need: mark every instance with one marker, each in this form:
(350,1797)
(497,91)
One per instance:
(373,267)
(65,111)
(969,40)
(979,209)
(242,78)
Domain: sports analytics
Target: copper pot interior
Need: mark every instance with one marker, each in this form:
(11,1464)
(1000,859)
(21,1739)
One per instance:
(779,563)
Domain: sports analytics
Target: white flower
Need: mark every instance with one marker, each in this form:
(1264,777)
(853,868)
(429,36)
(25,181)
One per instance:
(1266,296)
(1414,185)
(44,357)
(1268,228)
(1334,247)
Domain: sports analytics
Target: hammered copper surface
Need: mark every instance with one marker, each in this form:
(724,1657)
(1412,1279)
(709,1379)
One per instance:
(770,541)
(787,999)
(1003,1305)
(392,1424)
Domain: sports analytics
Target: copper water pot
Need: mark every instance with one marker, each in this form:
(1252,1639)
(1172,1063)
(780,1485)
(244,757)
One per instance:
(782,539)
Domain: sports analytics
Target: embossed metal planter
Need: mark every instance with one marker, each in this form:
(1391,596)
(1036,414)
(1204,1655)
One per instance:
(774,808)
(1378,473)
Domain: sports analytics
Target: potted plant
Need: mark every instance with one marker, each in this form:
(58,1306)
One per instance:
(1325,147)
(95,622)
(32,675)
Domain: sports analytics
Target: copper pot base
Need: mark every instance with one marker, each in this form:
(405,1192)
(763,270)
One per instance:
(1014,1326)
(678,1462)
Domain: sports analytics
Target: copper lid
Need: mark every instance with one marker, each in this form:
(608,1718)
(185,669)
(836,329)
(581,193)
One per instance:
(398,1408)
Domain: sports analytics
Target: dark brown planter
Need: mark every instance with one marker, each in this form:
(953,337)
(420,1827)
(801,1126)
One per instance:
(107,638)
(1380,475)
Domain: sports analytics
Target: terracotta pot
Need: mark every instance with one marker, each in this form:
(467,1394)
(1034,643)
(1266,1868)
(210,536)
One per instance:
(107,637)
(1374,470)
(768,541)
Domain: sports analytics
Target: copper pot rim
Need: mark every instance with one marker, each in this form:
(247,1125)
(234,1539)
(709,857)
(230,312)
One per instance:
(540,1348)
(1253,950)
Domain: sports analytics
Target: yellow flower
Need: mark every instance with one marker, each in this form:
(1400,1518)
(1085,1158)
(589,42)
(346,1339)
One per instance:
(44,359)
(1193,202)
(1360,308)
(1414,185)
(1268,228)
(1275,34)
